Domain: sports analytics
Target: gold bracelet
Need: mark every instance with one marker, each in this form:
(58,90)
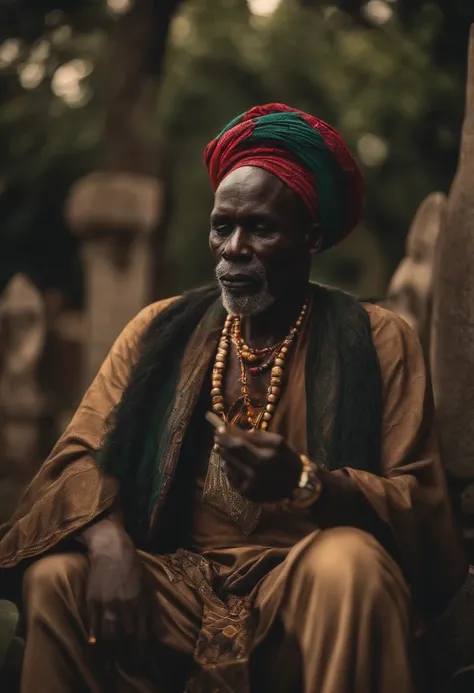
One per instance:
(309,487)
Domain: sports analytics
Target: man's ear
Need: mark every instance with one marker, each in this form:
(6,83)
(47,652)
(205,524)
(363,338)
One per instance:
(315,239)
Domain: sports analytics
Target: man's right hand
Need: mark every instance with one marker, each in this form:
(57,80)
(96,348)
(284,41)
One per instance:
(117,614)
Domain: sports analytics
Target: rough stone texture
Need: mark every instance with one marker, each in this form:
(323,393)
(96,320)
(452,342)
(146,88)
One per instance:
(117,209)
(22,337)
(410,293)
(124,202)
(453,309)
(62,366)
(114,214)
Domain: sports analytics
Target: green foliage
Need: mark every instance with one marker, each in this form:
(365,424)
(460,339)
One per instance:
(396,93)
(46,143)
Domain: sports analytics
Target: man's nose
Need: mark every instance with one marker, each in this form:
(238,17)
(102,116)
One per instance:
(237,246)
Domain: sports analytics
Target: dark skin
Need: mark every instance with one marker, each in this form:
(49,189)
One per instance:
(260,216)
(254,216)
(116,612)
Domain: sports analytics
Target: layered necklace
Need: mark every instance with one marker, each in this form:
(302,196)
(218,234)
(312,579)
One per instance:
(272,357)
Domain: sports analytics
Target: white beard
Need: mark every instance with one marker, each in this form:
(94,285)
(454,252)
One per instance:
(245,304)
(252,304)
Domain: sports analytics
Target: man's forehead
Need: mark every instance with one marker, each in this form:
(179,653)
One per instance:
(248,185)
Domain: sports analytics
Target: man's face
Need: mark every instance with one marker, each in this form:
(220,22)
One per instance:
(261,240)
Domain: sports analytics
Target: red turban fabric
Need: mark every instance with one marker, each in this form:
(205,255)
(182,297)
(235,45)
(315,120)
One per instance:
(306,153)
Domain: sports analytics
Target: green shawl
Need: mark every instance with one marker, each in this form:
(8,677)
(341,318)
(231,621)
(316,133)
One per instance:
(344,399)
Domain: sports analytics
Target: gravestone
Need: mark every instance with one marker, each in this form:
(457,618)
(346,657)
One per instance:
(22,339)
(452,356)
(410,293)
(453,321)
(114,214)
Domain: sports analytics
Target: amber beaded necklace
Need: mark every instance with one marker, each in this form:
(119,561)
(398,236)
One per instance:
(246,353)
(276,356)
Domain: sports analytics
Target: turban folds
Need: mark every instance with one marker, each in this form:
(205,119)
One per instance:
(306,153)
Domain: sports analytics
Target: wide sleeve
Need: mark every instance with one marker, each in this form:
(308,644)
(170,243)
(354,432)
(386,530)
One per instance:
(411,495)
(70,490)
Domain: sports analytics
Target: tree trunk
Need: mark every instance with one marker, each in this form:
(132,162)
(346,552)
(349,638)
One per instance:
(137,67)
(118,209)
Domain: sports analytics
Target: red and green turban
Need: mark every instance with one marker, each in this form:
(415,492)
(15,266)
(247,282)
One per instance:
(306,153)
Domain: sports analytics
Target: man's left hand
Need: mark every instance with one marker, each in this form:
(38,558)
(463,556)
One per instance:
(262,466)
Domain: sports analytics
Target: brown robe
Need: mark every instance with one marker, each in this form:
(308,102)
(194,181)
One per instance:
(321,599)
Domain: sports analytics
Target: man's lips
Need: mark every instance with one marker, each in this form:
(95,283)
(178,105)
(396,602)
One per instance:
(237,281)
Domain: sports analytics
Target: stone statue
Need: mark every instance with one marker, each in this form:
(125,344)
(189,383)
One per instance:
(452,339)
(453,308)
(448,340)
(117,209)
(22,340)
(114,214)
(410,292)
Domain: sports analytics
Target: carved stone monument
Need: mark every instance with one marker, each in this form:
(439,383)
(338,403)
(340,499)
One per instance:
(453,361)
(22,339)
(117,209)
(449,645)
(453,313)
(410,292)
(115,215)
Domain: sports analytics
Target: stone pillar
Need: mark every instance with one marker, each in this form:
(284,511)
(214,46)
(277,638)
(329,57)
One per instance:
(116,210)
(410,293)
(114,214)
(22,404)
(453,318)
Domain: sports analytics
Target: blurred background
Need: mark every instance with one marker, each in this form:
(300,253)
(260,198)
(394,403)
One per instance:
(105,108)
(389,75)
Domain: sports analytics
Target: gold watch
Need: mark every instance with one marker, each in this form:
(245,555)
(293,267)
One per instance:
(309,487)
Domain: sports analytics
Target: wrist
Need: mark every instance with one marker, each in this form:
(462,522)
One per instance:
(103,535)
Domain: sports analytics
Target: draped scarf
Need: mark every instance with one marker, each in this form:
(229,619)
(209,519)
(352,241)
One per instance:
(145,432)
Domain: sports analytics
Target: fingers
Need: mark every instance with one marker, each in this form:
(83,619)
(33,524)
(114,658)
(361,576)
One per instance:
(238,448)
(265,439)
(243,459)
(239,475)
(247,446)
(243,455)
(142,630)
(111,626)
(254,433)
(255,440)
(128,619)
(260,465)
(129,648)
(93,619)
(238,461)
(240,468)
(108,633)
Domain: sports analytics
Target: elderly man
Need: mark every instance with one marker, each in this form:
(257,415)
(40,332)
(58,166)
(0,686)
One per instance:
(297,545)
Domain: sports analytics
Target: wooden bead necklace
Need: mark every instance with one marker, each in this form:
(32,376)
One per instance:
(247,353)
(232,332)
